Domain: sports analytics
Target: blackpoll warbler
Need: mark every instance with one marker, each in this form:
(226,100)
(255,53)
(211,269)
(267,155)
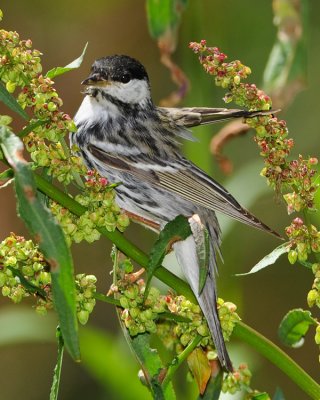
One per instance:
(127,139)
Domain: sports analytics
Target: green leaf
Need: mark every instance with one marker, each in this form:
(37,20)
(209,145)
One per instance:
(179,359)
(261,396)
(11,102)
(269,259)
(7,174)
(213,389)
(306,264)
(164,15)
(200,367)
(6,177)
(152,367)
(294,326)
(201,238)
(54,72)
(278,395)
(175,230)
(57,370)
(107,360)
(286,68)
(147,357)
(48,234)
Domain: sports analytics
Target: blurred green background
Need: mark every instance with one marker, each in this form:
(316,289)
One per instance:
(242,30)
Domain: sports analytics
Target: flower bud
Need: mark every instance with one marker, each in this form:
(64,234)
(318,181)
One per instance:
(212,355)
(315,268)
(185,339)
(312,297)
(131,292)
(27,270)
(41,309)
(89,305)
(203,330)
(134,312)
(146,315)
(6,291)
(3,279)
(83,316)
(261,131)
(124,302)
(151,326)
(5,120)
(52,106)
(45,278)
(236,79)
(317,336)
(292,256)
(11,86)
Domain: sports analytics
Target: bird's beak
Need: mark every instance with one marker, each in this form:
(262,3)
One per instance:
(95,80)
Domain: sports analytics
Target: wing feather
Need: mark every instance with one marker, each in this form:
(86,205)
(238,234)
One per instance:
(187,181)
(189,117)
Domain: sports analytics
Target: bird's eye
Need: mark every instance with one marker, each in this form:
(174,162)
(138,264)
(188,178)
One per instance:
(125,78)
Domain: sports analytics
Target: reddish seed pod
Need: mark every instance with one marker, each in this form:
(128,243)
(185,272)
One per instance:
(313,161)
(103,181)
(298,221)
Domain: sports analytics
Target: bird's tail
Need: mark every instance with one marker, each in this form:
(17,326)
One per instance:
(187,257)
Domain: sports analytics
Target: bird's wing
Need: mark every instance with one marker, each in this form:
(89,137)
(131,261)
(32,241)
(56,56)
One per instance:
(187,181)
(189,117)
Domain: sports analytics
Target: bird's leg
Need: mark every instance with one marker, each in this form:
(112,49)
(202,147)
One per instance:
(143,221)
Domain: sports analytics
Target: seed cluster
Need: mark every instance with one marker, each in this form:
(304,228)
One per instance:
(303,240)
(237,380)
(20,257)
(99,198)
(19,62)
(314,294)
(297,177)
(24,272)
(150,315)
(86,289)
(44,142)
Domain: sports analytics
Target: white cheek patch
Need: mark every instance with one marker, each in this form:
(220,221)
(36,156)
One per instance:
(135,91)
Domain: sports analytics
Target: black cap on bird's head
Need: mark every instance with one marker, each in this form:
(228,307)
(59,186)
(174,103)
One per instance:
(119,78)
(116,68)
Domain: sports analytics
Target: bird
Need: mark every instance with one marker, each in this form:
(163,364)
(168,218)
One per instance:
(126,138)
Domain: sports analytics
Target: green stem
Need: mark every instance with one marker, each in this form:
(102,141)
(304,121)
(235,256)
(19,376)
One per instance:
(241,331)
(179,359)
(107,299)
(278,357)
(31,126)
(116,237)
(57,370)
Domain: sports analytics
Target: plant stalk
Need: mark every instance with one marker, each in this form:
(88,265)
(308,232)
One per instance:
(278,357)
(241,331)
(179,359)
